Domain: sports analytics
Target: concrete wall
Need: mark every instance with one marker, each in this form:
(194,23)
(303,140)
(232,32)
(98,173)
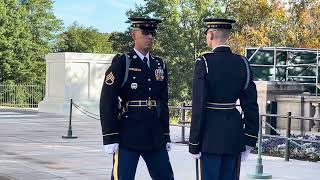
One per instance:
(74,75)
(268,90)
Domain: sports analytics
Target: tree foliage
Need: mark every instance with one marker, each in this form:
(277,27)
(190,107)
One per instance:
(180,38)
(27,32)
(84,39)
(120,42)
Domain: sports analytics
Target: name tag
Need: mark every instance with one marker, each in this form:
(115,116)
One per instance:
(135,69)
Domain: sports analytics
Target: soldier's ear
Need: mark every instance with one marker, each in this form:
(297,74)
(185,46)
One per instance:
(133,34)
(211,35)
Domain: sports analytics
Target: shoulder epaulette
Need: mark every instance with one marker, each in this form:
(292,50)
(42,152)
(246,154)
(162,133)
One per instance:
(199,59)
(205,62)
(161,60)
(207,53)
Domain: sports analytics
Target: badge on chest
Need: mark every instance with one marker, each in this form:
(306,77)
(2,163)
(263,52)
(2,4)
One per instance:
(134,85)
(159,74)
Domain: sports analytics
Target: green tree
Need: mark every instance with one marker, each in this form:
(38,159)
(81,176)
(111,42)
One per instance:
(303,29)
(22,49)
(84,39)
(180,39)
(42,22)
(265,26)
(120,42)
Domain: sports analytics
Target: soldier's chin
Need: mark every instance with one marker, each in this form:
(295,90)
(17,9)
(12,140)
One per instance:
(148,46)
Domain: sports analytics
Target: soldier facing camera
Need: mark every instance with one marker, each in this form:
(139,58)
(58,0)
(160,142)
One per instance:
(138,82)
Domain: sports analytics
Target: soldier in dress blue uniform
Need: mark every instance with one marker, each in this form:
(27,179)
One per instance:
(218,133)
(134,107)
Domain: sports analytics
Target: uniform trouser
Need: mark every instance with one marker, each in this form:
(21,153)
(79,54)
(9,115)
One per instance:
(217,167)
(125,163)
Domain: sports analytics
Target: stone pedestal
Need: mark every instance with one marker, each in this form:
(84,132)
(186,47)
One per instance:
(268,90)
(298,105)
(74,75)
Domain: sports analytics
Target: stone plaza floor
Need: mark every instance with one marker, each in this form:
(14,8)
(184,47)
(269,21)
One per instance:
(31,148)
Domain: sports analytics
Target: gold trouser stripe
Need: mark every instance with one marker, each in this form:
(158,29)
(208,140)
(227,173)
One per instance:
(199,169)
(115,165)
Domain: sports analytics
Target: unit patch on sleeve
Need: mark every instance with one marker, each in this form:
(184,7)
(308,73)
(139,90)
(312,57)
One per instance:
(109,79)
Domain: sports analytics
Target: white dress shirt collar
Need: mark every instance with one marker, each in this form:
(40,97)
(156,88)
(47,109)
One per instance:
(141,56)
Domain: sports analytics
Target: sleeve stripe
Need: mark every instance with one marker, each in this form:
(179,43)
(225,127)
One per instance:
(251,135)
(194,144)
(110,134)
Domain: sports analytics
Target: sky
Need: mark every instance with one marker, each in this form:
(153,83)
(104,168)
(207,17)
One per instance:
(104,15)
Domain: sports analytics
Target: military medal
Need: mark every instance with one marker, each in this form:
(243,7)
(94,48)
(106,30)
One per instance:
(134,85)
(159,74)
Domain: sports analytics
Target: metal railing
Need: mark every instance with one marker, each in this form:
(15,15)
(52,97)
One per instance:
(183,124)
(21,95)
(287,137)
(289,64)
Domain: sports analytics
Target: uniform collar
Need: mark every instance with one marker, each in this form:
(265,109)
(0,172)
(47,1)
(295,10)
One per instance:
(141,56)
(222,45)
(222,48)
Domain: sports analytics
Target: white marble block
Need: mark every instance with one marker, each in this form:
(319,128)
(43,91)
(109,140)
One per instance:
(77,76)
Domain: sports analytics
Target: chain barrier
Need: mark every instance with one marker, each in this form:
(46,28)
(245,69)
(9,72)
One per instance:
(291,140)
(96,117)
(87,113)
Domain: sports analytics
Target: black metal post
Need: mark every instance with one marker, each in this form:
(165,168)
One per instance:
(183,121)
(287,150)
(69,136)
(258,174)
(302,114)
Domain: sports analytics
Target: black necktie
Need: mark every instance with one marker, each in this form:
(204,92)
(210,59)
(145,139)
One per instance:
(145,60)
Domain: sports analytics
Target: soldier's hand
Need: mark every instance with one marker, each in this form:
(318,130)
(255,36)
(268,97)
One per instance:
(196,156)
(168,146)
(245,154)
(111,148)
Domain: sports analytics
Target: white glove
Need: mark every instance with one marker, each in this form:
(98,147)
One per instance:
(111,148)
(168,146)
(196,156)
(245,154)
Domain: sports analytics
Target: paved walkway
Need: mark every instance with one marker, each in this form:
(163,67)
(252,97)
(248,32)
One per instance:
(31,148)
